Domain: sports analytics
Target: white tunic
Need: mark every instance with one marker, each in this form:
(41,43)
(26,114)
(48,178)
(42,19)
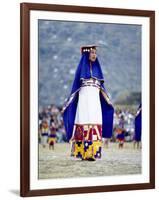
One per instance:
(89,106)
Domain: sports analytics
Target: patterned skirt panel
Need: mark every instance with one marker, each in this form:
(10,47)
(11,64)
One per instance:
(87,141)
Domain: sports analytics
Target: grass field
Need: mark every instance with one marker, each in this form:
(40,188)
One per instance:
(57,163)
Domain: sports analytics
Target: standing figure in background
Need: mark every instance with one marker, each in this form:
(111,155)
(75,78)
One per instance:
(88,112)
(52,136)
(121,133)
(44,133)
(138,129)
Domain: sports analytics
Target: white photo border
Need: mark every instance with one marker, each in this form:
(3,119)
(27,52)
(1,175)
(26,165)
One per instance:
(144,177)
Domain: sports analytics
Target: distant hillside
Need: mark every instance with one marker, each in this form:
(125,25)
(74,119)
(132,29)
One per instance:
(128,98)
(59,54)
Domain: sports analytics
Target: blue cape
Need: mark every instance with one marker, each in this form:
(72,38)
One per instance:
(83,72)
(138,122)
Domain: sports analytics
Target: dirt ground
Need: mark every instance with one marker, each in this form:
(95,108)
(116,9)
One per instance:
(57,163)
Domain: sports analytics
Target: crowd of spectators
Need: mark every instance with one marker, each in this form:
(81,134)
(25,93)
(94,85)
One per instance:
(52,116)
(123,119)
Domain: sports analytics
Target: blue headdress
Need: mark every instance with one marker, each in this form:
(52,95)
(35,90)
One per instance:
(84,72)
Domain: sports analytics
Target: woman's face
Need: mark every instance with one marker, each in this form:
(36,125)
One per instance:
(92,55)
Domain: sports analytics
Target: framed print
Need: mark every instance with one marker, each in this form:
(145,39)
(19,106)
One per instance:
(87,99)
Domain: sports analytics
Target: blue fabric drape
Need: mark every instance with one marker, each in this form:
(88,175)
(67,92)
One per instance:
(138,125)
(84,72)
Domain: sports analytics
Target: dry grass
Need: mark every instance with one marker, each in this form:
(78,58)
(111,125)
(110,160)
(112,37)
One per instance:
(58,163)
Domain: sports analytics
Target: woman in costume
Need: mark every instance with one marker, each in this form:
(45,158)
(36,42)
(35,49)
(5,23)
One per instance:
(138,131)
(88,112)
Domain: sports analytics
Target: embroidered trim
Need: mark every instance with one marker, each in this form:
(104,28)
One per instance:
(88,124)
(91,82)
(138,112)
(66,104)
(70,99)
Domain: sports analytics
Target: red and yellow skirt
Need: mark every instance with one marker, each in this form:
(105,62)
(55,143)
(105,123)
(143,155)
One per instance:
(87,141)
